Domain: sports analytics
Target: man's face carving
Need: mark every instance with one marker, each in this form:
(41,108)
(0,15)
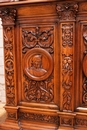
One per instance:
(37,61)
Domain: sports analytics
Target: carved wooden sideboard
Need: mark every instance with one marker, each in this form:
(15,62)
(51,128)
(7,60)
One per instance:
(45,57)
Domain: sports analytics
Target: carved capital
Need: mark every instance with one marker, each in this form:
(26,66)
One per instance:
(8,15)
(67,11)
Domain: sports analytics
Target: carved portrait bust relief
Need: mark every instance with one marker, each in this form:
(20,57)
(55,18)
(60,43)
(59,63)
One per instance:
(36,68)
(37,63)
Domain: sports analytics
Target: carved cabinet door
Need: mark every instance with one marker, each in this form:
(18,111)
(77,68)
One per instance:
(38,70)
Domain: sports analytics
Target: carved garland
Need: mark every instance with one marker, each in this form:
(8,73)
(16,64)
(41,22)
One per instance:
(8,17)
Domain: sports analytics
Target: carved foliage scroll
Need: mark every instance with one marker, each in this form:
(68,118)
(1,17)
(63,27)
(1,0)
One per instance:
(67,11)
(8,16)
(67,65)
(37,37)
(41,91)
(37,43)
(9,65)
(39,117)
(84,63)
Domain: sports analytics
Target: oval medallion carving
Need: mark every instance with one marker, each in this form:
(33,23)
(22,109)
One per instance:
(38,64)
(85,65)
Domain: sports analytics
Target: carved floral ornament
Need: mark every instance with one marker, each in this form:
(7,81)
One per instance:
(67,11)
(8,15)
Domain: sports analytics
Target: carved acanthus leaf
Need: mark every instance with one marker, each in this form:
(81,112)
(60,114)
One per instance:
(8,15)
(67,11)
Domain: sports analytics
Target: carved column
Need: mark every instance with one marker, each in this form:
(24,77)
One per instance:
(8,21)
(84,62)
(67,13)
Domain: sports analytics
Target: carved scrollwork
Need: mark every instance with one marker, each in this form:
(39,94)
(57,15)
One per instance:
(8,15)
(9,65)
(81,122)
(67,35)
(67,71)
(67,11)
(41,91)
(39,117)
(67,97)
(37,37)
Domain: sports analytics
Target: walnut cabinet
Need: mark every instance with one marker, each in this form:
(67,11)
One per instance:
(45,58)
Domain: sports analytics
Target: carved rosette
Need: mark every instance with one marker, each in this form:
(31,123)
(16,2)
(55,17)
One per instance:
(52,119)
(38,51)
(67,11)
(8,18)
(84,67)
